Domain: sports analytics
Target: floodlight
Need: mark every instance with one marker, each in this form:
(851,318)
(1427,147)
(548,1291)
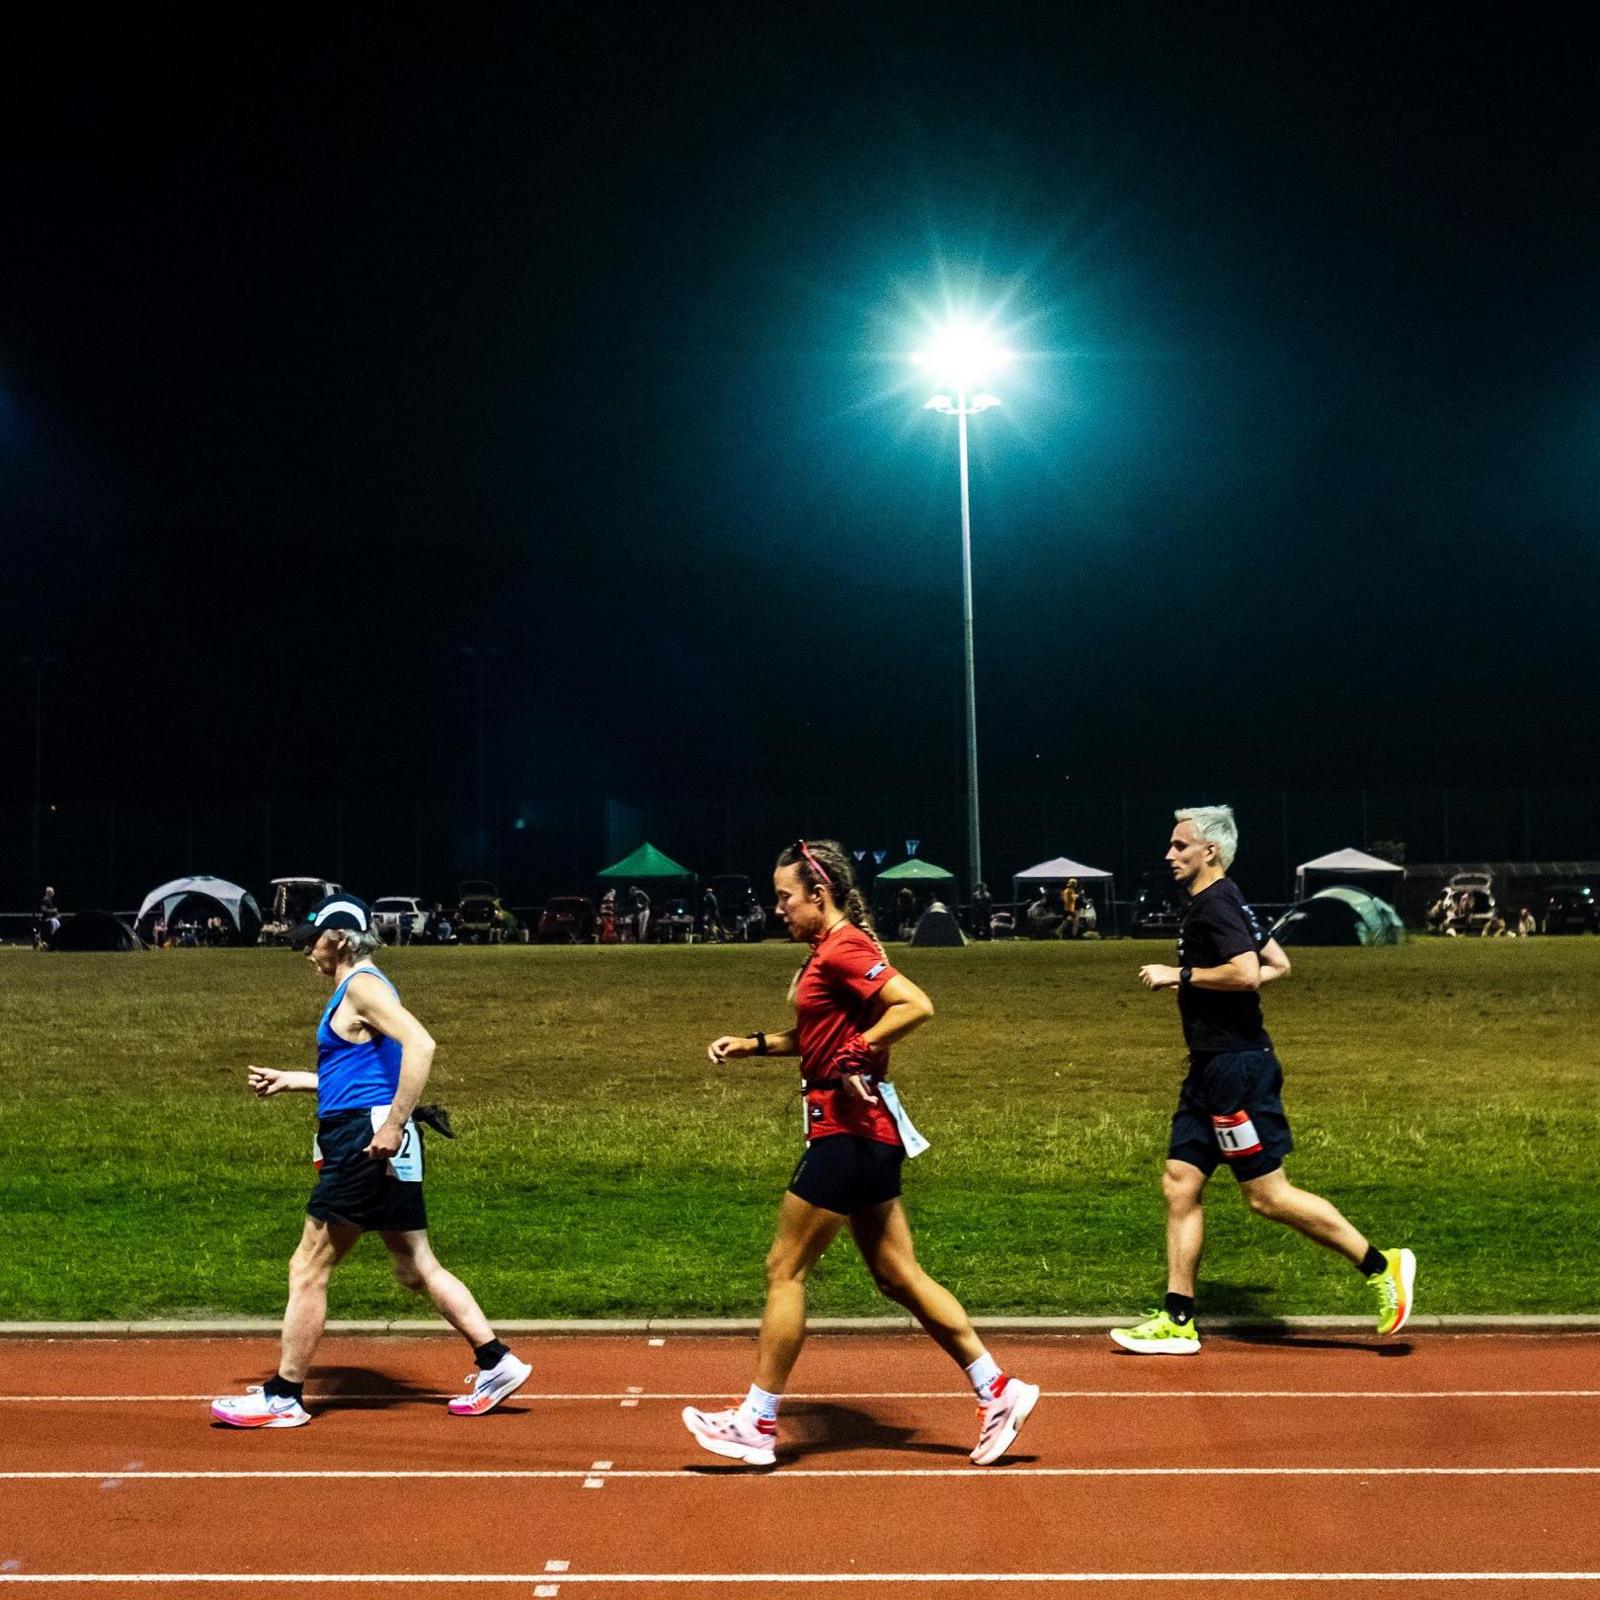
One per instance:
(962,355)
(983,402)
(941,403)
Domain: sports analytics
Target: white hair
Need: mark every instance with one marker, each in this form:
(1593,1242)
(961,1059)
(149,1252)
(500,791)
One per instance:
(356,945)
(1214,825)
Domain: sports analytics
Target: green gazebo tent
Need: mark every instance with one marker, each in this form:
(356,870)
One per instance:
(645,862)
(916,872)
(920,877)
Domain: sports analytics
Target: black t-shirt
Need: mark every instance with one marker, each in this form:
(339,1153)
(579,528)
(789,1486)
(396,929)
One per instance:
(1217,926)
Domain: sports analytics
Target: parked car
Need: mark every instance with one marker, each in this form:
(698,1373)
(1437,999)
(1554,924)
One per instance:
(1569,908)
(292,900)
(567,919)
(1474,891)
(399,918)
(1158,907)
(482,917)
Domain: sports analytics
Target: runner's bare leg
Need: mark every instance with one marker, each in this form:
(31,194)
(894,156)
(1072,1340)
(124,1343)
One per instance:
(804,1232)
(883,1236)
(323,1245)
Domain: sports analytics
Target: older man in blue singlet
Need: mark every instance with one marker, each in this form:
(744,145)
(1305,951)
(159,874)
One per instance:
(373,1058)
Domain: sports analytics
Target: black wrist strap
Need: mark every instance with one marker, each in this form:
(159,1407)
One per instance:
(761,1043)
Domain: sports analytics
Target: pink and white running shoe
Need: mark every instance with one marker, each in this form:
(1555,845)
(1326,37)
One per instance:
(726,1433)
(1000,1420)
(255,1408)
(491,1386)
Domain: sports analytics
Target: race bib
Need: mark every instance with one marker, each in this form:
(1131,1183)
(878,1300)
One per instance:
(913,1141)
(1236,1135)
(406,1163)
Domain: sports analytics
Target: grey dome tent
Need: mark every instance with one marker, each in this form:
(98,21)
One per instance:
(1339,915)
(938,926)
(96,930)
(203,896)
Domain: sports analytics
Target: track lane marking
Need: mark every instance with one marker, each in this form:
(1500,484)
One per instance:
(709,1475)
(964,1397)
(794,1578)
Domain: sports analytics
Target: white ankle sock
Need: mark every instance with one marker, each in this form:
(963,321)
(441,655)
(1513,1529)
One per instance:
(981,1375)
(758,1403)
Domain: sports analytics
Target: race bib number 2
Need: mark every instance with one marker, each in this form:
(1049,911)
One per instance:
(406,1163)
(1236,1135)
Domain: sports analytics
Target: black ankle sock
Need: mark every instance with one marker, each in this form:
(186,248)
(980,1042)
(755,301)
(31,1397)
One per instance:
(488,1355)
(282,1389)
(1180,1307)
(1373,1261)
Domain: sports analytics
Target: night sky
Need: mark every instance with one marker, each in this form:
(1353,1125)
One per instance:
(331,344)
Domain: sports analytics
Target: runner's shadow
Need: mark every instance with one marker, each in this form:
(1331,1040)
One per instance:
(1286,1338)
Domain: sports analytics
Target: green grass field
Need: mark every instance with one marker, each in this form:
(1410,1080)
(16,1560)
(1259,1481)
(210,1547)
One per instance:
(1442,1094)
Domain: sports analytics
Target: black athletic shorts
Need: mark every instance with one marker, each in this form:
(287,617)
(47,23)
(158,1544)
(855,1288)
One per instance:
(846,1173)
(1235,1100)
(353,1188)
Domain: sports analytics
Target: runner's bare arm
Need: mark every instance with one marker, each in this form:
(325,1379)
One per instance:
(375,1003)
(1243,972)
(1274,962)
(268,1081)
(735,1046)
(906,1008)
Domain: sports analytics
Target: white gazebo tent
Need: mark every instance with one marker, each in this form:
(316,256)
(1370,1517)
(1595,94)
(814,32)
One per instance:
(1353,868)
(1055,872)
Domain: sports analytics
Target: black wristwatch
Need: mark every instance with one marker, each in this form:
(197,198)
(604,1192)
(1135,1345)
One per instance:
(1185,977)
(761,1043)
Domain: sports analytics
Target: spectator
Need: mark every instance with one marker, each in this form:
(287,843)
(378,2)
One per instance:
(607,917)
(982,909)
(48,923)
(1071,905)
(639,902)
(1089,919)
(1040,921)
(1527,923)
(710,916)
(905,911)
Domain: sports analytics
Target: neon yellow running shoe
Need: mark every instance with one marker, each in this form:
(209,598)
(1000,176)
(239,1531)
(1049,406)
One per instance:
(1160,1336)
(1393,1288)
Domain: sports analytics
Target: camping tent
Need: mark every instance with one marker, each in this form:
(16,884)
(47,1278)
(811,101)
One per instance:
(1100,886)
(1353,867)
(938,926)
(96,930)
(1340,915)
(201,897)
(645,863)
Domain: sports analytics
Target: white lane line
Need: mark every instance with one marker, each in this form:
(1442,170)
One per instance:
(512,1474)
(794,1579)
(964,1396)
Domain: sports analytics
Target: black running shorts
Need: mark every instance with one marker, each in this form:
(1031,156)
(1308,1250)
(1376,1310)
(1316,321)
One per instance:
(1230,1110)
(846,1173)
(353,1188)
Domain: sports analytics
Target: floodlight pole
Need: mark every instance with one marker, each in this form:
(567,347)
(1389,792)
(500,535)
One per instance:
(974,849)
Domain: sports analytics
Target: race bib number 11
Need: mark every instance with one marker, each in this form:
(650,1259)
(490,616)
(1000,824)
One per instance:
(1236,1135)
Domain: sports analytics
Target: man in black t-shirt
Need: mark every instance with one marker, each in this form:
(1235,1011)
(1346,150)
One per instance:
(1230,1106)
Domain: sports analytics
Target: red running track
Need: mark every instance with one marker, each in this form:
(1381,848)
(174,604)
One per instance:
(1449,1465)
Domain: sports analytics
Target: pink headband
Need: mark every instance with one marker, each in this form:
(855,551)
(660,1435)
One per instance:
(816,866)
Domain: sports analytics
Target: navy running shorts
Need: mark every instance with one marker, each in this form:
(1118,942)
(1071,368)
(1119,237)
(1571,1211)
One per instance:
(845,1172)
(1230,1111)
(353,1188)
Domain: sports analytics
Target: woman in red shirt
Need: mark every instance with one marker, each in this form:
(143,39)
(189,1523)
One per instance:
(850,1006)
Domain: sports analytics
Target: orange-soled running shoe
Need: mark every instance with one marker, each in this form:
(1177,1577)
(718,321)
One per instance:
(1000,1420)
(490,1386)
(255,1408)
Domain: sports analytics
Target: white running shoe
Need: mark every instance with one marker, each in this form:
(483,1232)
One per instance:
(490,1387)
(1000,1420)
(255,1408)
(726,1433)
